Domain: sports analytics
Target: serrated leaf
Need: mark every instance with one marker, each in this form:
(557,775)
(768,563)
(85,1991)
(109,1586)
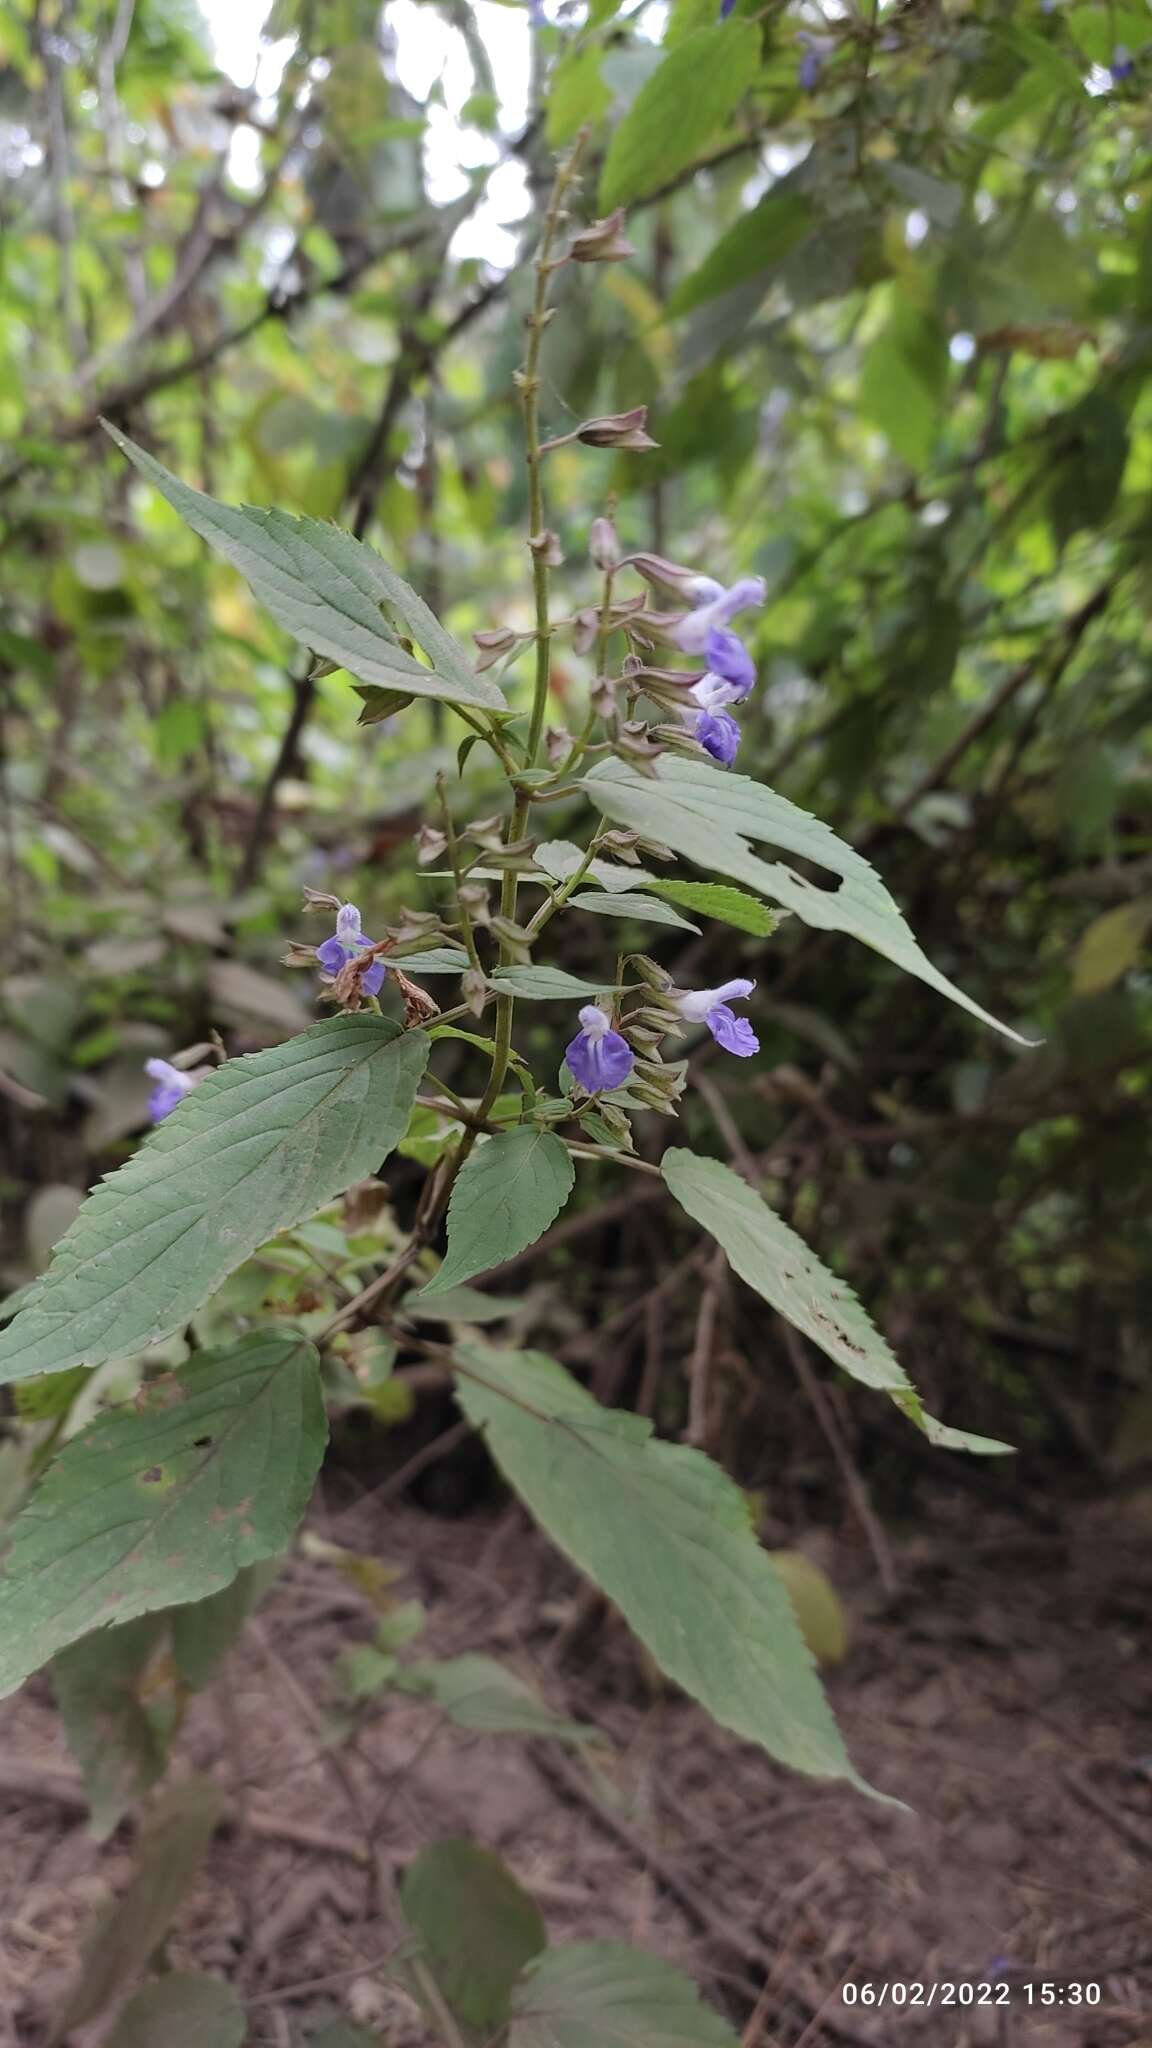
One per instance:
(166,1502)
(665,1534)
(751,247)
(326,587)
(117,1724)
(478,1693)
(506,1194)
(585,1994)
(477,1925)
(182,2010)
(728,906)
(712,816)
(128,1931)
(256,1147)
(647,909)
(545,984)
(783,1271)
(679,109)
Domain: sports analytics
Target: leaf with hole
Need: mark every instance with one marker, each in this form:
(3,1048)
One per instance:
(506,1194)
(209,1472)
(665,1534)
(785,1273)
(713,816)
(326,588)
(258,1146)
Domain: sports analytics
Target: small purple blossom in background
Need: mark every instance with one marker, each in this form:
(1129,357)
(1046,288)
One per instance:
(598,1057)
(710,1006)
(714,607)
(345,943)
(719,735)
(1123,64)
(726,7)
(171,1087)
(811,62)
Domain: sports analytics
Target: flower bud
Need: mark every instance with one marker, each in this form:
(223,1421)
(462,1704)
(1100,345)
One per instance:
(603,242)
(557,745)
(546,547)
(603,544)
(617,430)
(663,574)
(474,989)
(430,844)
(494,643)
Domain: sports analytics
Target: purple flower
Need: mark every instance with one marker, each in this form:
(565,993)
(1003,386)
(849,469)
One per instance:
(1123,64)
(713,607)
(728,658)
(598,1057)
(710,1006)
(726,7)
(718,734)
(171,1087)
(346,942)
(811,63)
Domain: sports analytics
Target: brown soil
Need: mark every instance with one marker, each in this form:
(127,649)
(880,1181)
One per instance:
(1004,1695)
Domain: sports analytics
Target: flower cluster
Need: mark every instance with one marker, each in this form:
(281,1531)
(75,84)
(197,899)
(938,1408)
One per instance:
(600,1058)
(731,671)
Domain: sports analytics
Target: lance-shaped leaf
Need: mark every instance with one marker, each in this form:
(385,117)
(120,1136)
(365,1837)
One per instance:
(545,985)
(730,906)
(668,1538)
(165,1502)
(679,109)
(713,817)
(778,1264)
(589,1993)
(256,1147)
(634,904)
(326,587)
(506,1195)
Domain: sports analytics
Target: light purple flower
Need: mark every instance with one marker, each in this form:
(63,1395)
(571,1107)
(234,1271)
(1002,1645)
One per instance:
(710,1006)
(171,1087)
(713,607)
(1123,64)
(598,1057)
(346,942)
(718,734)
(811,63)
(728,657)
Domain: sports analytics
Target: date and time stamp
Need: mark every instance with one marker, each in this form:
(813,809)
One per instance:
(1015,1993)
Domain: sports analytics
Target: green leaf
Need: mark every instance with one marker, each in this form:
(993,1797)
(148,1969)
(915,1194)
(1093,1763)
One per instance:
(1112,945)
(545,984)
(1093,438)
(165,1502)
(204,1631)
(586,1994)
(116,1725)
(381,704)
(478,1927)
(181,2010)
(576,93)
(648,909)
(461,1305)
(256,1147)
(679,109)
(668,1538)
(818,1606)
(476,1692)
(506,1194)
(711,816)
(752,247)
(559,859)
(326,588)
(128,1931)
(729,906)
(783,1271)
(904,380)
(433,960)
